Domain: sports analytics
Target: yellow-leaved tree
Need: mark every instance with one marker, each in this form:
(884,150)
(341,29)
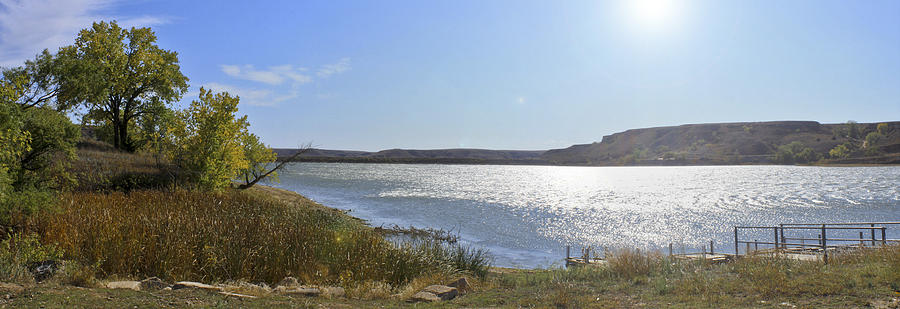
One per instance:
(207,140)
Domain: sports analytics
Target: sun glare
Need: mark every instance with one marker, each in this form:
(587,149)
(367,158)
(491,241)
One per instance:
(653,15)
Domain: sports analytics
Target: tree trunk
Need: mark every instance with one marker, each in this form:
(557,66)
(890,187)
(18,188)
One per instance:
(116,135)
(122,141)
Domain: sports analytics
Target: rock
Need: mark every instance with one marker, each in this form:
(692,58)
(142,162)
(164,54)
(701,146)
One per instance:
(305,291)
(154,284)
(43,270)
(130,285)
(424,297)
(195,285)
(289,282)
(332,291)
(442,291)
(461,284)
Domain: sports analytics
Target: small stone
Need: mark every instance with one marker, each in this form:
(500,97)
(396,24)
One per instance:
(442,291)
(130,285)
(154,284)
(424,297)
(195,285)
(289,282)
(461,284)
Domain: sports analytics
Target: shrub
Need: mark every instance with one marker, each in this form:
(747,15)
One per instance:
(19,250)
(795,152)
(839,152)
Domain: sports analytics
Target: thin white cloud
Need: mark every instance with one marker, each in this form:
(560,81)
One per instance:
(330,69)
(256,97)
(30,26)
(275,75)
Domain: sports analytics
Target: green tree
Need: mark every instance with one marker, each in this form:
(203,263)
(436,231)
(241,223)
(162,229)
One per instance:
(795,152)
(839,152)
(207,140)
(853,129)
(871,143)
(882,128)
(36,83)
(53,137)
(13,141)
(120,74)
(259,156)
(31,139)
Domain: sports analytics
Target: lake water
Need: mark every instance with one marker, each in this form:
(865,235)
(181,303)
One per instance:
(526,215)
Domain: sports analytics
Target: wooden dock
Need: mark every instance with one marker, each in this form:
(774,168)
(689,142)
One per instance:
(789,240)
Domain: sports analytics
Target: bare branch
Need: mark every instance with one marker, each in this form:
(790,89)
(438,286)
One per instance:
(281,164)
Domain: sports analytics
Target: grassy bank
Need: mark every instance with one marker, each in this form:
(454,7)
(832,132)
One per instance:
(130,216)
(632,279)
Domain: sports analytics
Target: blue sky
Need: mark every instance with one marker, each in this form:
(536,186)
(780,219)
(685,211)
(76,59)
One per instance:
(371,75)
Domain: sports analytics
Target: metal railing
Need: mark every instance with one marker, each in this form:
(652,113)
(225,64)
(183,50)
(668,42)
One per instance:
(823,243)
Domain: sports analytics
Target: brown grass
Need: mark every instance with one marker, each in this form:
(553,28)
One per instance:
(221,236)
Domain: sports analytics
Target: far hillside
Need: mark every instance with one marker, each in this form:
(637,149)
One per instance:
(450,156)
(779,142)
(776,142)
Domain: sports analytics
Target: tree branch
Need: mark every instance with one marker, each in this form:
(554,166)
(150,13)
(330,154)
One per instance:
(300,151)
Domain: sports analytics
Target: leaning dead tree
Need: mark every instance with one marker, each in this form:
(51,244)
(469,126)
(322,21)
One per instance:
(256,175)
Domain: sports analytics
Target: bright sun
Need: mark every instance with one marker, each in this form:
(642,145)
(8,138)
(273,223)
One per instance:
(653,15)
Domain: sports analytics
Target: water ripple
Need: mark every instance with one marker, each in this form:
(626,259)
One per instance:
(527,214)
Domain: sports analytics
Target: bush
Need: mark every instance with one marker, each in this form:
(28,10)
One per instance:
(795,152)
(839,152)
(19,250)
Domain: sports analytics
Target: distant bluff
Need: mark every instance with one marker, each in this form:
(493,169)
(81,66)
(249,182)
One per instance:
(734,143)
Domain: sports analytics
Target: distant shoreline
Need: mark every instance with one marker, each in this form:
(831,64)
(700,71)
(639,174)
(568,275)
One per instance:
(463,161)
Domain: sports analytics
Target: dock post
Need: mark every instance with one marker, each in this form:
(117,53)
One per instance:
(824,246)
(735,242)
(776,238)
(670,249)
(711,252)
(883,238)
(873,233)
(782,236)
(567,252)
(755,245)
(861,243)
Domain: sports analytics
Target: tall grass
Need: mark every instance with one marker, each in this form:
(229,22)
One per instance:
(101,168)
(647,279)
(231,235)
